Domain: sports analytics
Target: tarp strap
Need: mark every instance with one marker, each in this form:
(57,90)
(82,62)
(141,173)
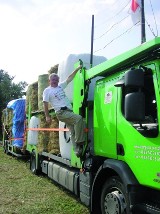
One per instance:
(16,139)
(51,129)
(47,129)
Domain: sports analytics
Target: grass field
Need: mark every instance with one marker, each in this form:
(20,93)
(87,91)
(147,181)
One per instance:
(21,192)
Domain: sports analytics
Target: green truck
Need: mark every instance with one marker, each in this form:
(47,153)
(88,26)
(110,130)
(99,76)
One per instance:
(119,171)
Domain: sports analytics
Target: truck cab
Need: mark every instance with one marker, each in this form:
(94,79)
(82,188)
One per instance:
(124,121)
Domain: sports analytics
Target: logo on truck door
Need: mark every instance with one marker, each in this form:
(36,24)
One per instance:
(108,97)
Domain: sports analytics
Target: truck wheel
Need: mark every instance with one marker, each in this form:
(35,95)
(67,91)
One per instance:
(33,164)
(114,198)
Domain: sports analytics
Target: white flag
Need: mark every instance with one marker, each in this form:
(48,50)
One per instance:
(136,11)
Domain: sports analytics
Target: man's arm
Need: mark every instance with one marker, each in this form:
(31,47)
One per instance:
(72,75)
(46,111)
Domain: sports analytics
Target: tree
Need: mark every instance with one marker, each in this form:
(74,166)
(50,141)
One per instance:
(9,91)
(53,69)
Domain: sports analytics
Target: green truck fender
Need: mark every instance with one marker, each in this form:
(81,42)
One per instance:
(108,169)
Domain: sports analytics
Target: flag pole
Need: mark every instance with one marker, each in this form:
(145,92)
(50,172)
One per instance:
(92,37)
(143,33)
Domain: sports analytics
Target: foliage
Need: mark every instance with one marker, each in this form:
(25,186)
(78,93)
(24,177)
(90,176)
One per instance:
(9,90)
(53,69)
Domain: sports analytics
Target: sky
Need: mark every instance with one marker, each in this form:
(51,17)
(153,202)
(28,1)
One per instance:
(35,35)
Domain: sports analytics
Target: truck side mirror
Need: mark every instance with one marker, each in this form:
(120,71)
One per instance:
(134,107)
(134,78)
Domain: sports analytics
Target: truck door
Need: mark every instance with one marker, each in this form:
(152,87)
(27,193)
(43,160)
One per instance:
(105,102)
(78,91)
(137,126)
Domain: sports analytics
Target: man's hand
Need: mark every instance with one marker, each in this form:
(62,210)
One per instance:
(79,67)
(48,118)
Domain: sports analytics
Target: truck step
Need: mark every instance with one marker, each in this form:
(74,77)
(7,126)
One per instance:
(146,208)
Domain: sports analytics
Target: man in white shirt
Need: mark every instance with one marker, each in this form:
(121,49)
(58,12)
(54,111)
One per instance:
(55,95)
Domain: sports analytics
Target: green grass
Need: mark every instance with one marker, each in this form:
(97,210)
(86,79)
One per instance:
(21,192)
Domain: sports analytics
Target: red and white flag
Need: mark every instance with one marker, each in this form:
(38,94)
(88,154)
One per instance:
(136,11)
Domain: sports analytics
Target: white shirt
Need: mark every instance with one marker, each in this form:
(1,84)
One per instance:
(57,97)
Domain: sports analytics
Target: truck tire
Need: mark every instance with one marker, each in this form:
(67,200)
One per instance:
(114,198)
